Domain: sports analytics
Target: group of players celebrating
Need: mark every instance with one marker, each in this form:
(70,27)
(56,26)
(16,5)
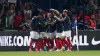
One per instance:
(52,33)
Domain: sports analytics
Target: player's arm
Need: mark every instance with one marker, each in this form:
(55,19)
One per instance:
(43,23)
(52,22)
(59,19)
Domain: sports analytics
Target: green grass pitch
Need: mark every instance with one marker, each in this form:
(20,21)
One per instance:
(65,53)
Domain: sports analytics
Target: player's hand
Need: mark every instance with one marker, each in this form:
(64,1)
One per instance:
(46,23)
(55,16)
(51,23)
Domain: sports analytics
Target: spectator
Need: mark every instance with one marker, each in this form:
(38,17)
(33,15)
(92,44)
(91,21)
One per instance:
(94,13)
(98,20)
(12,14)
(92,23)
(73,22)
(1,14)
(27,12)
(86,19)
(7,12)
(17,20)
(5,20)
(95,4)
(81,20)
(90,7)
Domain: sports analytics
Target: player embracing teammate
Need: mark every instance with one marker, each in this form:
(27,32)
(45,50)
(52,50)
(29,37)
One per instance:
(52,32)
(66,35)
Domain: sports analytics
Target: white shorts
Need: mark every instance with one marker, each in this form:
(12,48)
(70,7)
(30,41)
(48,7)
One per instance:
(58,35)
(43,34)
(66,33)
(34,34)
(54,33)
(50,35)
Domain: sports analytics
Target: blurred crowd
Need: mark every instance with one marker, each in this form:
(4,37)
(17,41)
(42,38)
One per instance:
(17,15)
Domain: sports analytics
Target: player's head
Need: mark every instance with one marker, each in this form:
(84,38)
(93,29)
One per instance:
(65,12)
(49,15)
(56,12)
(52,11)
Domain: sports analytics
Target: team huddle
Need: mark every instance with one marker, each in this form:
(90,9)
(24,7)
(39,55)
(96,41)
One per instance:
(52,33)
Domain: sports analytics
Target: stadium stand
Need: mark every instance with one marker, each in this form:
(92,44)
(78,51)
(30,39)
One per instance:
(26,9)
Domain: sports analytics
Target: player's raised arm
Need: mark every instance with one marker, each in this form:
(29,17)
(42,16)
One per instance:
(58,16)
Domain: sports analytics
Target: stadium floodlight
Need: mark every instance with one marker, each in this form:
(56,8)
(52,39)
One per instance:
(77,34)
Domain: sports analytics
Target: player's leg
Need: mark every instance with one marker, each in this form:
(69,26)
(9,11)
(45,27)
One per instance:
(40,44)
(30,48)
(51,41)
(45,39)
(68,36)
(37,45)
(45,42)
(54,40)
(41,41)
(31,41)
(48,41)
(58,41)
(63,40)
(37,42)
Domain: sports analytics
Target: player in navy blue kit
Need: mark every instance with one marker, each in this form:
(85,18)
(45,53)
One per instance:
(37,33)
(34,33)
(67,29)
(50,31)
(42,30)
(59,29)
(66,35)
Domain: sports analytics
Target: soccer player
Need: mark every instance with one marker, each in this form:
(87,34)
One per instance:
(34,34)
(37,27)
(67,29)
(59,29)
(50,31)
(66,35)
(42,30)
